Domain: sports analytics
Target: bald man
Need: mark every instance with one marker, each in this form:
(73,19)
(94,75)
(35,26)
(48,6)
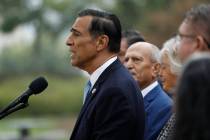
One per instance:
(142,60)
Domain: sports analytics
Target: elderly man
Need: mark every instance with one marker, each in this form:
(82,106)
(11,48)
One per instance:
(194,32)
(142,60)
(113,107)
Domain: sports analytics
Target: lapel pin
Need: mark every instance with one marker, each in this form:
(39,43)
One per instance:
(93,91)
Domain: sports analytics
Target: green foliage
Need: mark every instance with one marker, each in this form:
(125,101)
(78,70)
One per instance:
(63,95)
(156,19)
(12,13)
(127,16)
(154,5)
(10,24)
(20,60)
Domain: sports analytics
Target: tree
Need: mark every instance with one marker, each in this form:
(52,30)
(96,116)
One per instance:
(49,19)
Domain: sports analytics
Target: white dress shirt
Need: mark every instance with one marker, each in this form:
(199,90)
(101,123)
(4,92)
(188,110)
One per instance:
(95,75)
(146,90)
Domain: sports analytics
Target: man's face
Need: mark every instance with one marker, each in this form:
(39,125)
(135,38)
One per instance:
(82,45)
(123,48)
(187,40)
(138,62)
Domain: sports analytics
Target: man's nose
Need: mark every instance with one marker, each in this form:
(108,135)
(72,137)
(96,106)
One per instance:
(128,64)
(69,41)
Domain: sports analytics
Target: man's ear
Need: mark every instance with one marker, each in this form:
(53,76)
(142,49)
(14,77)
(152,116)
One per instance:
(102,42)
(155,69)
(201,44)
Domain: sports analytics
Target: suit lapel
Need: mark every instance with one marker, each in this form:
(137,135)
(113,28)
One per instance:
(84,108)
(151,96)
(95,90)
(100,80)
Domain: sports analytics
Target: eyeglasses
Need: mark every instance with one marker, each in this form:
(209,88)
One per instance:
(180,36)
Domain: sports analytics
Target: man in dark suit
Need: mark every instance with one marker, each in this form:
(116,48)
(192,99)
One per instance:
(113,108)
(142,60)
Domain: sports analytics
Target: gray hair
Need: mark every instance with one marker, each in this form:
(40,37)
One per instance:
(170,48)
(155,54)
(199,17)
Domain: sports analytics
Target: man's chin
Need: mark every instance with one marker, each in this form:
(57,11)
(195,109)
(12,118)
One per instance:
(135,78)
(73,63)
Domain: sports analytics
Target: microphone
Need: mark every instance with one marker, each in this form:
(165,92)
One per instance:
(36,86)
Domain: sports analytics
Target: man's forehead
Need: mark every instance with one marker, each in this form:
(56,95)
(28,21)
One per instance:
(185,27)
(138,47)
(135,51)
(82,22)
(139,50)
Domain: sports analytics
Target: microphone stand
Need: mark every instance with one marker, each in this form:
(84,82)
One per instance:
(17,104)
(16,108)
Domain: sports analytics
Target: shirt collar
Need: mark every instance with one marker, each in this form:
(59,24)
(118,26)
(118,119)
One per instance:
(95,75)
(146,90)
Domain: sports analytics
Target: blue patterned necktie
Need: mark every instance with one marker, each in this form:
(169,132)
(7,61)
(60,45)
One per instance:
(86,91)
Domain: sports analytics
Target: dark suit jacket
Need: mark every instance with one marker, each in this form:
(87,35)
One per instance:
(158,108)
(115,110)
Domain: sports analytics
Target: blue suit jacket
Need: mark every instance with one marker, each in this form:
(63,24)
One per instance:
(158,108)
(115,110)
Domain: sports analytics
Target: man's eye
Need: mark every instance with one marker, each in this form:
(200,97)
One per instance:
(136,59)
(75,33)
(126,60)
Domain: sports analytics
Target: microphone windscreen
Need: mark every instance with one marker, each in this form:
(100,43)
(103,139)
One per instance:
(38,85)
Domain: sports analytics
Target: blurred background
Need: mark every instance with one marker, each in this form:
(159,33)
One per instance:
(32,44)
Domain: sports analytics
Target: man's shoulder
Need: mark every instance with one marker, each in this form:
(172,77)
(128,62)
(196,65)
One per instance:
(159,98)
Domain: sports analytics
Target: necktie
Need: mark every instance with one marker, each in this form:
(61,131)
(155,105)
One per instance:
(86,91)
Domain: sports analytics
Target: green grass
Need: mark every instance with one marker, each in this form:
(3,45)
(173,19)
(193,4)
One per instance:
(39,128)
(62,97)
